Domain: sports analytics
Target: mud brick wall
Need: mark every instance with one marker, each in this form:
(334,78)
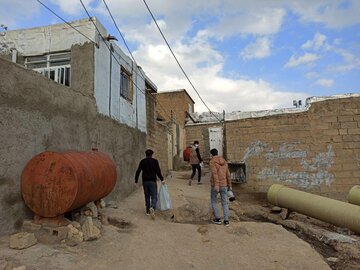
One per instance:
(200,133)
(316,150)
(157,134)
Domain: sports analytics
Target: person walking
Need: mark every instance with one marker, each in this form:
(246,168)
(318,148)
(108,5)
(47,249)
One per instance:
(150,169)
(220,183)
(195,162)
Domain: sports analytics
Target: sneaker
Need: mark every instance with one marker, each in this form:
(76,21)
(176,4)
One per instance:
(147,212)
(226,223)
(216,221)
(189,182)
(199,183)
(152,213)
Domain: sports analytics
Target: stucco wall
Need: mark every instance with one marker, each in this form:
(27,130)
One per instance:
(104,82)
(37,114)
(316,150)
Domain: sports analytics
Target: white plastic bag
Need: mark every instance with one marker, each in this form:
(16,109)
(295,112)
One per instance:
(164,201)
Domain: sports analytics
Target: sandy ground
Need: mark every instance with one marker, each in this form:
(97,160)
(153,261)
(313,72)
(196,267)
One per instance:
(186,241)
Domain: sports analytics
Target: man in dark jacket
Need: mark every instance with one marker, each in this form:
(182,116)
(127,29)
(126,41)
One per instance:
(150,168)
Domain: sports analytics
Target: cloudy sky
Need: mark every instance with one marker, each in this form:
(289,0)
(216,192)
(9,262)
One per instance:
(241,55)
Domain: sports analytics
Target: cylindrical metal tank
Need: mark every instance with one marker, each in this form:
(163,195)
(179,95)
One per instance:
(53,183)
(339,213)
(354,195)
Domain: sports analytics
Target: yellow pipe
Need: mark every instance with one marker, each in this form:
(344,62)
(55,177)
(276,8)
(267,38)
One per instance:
(339,213)
(354,195)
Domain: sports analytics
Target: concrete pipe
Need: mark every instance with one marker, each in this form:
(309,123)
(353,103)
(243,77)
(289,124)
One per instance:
(354,195)
(338,213)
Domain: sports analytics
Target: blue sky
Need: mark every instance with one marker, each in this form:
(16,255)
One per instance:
(241,55)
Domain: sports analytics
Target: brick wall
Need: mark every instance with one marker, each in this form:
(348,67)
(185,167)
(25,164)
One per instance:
(317,150)
(157,134)
(176,102)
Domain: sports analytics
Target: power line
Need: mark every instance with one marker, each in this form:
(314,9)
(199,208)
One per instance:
(119,55)
(77,30)
(140,74)
(123,38)
(177,61)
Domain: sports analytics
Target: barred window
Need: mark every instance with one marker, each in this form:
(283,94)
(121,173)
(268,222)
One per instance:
(126,88)
(53,66)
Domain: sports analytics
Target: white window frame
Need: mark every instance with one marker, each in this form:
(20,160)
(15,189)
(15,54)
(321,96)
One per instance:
(58,69)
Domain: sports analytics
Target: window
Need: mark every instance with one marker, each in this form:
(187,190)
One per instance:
(53,66)
(126,90)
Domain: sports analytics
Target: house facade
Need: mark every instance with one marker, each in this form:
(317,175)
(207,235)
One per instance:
(87,60)
(175,106)
(67,92)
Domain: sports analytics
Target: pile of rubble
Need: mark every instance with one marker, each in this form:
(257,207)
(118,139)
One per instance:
(85,225)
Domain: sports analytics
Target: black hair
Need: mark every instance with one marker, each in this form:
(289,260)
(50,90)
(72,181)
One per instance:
(214,152)
(149,152)
(196,142)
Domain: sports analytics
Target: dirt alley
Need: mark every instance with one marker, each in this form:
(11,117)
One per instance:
(183,238)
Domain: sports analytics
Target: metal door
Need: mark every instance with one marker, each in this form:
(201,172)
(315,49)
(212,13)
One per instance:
(216,139)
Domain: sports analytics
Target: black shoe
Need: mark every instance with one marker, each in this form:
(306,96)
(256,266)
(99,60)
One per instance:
(216,221)
(226,223)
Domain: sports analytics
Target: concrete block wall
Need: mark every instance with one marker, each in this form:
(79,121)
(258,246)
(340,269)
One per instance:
(316,150)
(37,114)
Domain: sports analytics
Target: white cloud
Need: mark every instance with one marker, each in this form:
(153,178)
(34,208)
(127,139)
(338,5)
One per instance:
(255,21)
(334,14)
(73,7)
(218,91)
(260,49)
(306,59)
(15,11)
(319,41)
(325,82)
(351,62)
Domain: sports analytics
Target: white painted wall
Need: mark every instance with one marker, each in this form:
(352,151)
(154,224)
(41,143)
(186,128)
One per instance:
(60,37)
(112,104)
(51,38)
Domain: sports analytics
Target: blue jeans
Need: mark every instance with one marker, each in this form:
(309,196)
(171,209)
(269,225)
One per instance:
(213,196)
(150,192)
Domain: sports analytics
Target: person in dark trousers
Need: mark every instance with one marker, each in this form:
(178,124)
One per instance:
(195,161)
(150,169)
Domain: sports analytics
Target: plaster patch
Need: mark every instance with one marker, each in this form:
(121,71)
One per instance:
(314,173)
(286,150)
(254,149)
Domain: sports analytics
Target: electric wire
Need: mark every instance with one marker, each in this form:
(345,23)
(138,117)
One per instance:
(77,30)
(140,74)
(90,18)
(126,45)
(177,61)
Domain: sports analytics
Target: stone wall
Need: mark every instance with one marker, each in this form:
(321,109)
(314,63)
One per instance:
(317,150)
(37,114)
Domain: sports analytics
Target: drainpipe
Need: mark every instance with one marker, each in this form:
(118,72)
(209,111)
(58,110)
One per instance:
(110,73)
(338,213)
(354,195)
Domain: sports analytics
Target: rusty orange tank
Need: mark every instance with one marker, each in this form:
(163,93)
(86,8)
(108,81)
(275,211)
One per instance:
(53,183)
